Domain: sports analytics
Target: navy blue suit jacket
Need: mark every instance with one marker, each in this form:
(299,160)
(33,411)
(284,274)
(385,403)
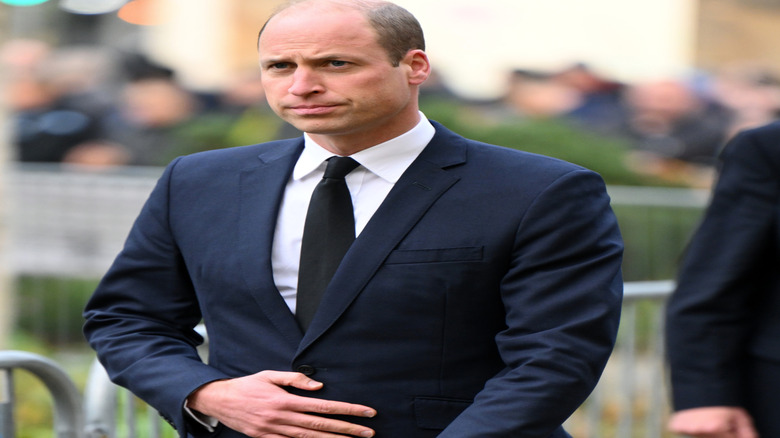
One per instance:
(481,300)
(725,312)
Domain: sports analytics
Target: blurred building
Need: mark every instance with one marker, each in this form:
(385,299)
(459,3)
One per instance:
(208,41)
(472,44)
(730,32)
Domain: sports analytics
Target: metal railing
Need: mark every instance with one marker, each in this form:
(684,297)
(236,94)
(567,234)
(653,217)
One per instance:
(68,414)
(66,222)
(109,408)
(631,399)
(112,412)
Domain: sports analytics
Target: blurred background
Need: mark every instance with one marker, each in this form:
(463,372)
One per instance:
(97,95)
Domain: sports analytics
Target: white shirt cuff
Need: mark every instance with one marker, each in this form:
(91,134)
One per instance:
(210,423)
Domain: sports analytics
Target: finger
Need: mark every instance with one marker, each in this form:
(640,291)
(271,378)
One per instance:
(296,424)
(330,407)
(319,406)
(326,427)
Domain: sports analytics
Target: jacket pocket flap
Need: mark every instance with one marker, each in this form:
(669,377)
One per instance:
(437,413)
(472,253)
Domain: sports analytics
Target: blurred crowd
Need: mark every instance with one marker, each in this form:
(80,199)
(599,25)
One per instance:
(675,127)
(91,106)
(84,105)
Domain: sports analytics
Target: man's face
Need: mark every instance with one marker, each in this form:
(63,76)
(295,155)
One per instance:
(325,73)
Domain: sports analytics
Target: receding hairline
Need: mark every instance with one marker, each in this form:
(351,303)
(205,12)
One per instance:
(371,10)
(362,6)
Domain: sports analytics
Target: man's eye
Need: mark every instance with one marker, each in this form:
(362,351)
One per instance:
(338,63)
(279,66)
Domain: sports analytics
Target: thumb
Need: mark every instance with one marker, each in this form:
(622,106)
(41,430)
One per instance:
(295,380)
(306,383)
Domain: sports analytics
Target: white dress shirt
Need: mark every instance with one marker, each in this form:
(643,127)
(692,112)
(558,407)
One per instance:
(380,168)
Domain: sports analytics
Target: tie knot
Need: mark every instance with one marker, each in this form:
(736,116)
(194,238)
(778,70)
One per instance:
(339,167)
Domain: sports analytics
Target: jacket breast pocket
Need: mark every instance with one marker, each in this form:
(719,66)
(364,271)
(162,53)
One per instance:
(437,413)
(439,255)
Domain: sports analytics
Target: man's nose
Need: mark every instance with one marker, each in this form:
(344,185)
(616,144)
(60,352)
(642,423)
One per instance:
(305,81)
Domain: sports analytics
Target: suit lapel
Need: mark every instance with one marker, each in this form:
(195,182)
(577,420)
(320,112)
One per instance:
(414,193)
(262,186)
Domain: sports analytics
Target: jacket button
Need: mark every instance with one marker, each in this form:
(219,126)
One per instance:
(307,370)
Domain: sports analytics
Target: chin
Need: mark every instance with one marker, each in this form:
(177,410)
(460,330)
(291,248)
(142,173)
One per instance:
(314,127)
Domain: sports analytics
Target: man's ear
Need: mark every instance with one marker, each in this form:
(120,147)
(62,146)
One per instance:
(418,67)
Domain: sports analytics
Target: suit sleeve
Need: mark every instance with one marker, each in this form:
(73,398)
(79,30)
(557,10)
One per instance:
(562,295)
(142,315)
(709,316)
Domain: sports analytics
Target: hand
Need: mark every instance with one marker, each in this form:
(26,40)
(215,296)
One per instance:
(713,422)
(259,406)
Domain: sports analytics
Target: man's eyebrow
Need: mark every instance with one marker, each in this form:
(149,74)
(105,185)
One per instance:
(313,59)
(272,60)
(334,56)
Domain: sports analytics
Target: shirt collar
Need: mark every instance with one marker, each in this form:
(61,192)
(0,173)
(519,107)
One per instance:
(387,160)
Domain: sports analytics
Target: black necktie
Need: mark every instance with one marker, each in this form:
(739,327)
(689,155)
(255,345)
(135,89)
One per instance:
(327,234)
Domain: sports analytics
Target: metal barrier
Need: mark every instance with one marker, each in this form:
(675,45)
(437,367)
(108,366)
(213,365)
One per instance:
(109,409)
(107,406)
(68,414)
(631,398)
(70,222)
(100,405)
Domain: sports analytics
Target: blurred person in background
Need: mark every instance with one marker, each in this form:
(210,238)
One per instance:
(58,105)
(537,95)
(157,113)
(21,57)
(750,92)
(675,133)
(161,119)
(574,94)
(723,320)
(251,119)
(599,105)
(530,97)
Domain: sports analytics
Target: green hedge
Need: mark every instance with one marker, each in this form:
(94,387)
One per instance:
(49,308)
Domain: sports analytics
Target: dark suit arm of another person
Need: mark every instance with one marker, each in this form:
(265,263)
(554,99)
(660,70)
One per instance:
(141,317)
(562,294)
(709,317)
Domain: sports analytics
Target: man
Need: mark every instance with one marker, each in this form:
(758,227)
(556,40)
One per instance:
(723,321)
(480,298)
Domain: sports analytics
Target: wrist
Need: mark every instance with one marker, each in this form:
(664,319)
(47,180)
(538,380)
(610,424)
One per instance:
(199,399)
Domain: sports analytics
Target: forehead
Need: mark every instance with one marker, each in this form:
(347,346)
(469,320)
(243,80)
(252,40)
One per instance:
(317,28)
